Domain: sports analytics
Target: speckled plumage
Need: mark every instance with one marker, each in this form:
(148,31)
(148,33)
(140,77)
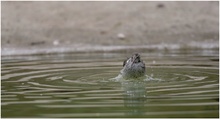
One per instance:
(134,67)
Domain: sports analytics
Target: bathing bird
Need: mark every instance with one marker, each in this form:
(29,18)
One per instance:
(133,67)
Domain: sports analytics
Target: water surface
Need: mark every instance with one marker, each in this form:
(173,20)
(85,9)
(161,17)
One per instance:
(184,84)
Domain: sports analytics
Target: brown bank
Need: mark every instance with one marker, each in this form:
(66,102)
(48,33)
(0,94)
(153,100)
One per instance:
(48,27)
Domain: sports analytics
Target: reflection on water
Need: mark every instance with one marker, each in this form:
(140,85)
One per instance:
(134,98)
(178,84)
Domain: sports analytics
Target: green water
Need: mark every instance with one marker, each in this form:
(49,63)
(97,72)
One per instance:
(183,84)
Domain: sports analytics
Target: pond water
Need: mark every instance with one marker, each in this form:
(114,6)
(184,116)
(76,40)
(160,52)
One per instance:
(182,84)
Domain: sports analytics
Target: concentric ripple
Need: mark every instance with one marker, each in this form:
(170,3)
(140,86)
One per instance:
(78,85)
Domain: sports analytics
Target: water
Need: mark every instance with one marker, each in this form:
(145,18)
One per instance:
(183,84)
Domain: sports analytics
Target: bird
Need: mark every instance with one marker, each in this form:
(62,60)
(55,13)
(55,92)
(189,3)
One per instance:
(133,67)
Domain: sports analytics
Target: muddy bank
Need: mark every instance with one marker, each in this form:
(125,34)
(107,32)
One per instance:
(47,27)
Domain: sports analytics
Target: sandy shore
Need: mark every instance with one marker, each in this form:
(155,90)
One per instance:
(47,27)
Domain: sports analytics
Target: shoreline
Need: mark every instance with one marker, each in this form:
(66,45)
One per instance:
(108,49)
(59,27)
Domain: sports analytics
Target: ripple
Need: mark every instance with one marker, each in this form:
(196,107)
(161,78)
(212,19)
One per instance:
(78,86)
(62,115)
(48,86)
(79,106)
(33,102)
(180,112)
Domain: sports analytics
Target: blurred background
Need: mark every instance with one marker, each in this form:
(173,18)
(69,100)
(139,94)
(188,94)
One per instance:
(85,45)
(49,27)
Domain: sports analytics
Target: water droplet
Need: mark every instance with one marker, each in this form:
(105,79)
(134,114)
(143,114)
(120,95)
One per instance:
(152,75)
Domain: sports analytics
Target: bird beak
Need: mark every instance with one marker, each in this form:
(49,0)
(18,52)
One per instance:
(133,59)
